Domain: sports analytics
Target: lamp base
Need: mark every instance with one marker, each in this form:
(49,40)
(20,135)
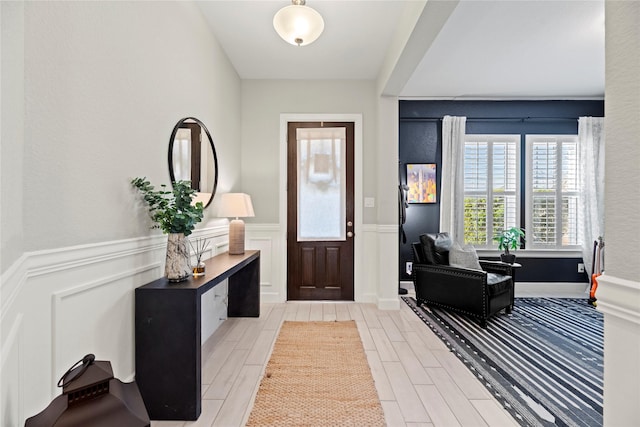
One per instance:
(236,237)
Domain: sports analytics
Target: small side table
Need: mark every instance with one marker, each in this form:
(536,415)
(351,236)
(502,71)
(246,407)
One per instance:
(515,266)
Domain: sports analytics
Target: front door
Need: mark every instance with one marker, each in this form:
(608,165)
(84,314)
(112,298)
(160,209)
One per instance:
(320,210)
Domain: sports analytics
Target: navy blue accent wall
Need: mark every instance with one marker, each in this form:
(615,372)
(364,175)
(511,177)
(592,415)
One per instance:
(420,142)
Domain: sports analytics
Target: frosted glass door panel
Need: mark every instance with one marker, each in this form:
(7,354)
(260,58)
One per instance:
(321,184)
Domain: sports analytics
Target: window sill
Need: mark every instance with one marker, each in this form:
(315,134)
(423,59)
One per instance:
(534,253)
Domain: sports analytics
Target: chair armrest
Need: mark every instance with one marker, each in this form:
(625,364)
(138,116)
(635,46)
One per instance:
(497,267)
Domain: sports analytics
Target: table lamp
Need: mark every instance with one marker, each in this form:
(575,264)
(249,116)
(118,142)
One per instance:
(236,205)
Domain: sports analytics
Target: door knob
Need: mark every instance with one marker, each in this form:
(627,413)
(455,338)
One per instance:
(349,224)
(349,234)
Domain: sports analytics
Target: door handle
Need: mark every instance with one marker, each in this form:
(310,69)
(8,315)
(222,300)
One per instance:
(349,234)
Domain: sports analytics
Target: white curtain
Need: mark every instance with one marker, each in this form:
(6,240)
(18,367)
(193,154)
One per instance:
(591,149)
(452,183)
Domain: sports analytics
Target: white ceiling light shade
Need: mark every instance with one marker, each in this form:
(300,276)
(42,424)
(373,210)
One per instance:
(298,24)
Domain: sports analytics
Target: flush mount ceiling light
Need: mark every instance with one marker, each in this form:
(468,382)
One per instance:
(298,24)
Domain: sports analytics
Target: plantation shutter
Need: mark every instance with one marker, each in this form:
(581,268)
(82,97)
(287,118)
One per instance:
(491,186)
(552,191)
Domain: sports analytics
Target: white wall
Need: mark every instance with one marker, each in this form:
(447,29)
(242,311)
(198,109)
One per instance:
(12,131)
(387,202)
(619,288)
(262,103)
(104,83)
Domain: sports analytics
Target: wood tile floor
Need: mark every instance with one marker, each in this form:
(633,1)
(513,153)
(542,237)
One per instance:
(419,382)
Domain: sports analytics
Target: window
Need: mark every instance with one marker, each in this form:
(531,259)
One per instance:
(552,191)
(491,187)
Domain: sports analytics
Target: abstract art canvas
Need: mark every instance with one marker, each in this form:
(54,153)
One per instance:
(421,180)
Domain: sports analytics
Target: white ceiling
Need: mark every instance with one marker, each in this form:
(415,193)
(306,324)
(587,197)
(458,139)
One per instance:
(484,49)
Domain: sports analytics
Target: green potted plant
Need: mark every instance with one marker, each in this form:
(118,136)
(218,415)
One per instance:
(509,239)
(175,214)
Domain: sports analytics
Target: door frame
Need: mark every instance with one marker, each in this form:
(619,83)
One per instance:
(358,199)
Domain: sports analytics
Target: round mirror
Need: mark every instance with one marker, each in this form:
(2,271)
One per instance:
(192,157)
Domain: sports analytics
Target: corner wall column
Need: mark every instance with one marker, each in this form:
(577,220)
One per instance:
(619,288)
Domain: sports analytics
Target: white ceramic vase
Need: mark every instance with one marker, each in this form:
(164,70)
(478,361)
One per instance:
(177,267)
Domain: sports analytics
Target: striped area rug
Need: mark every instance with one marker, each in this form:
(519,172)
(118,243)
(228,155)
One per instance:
(543,362)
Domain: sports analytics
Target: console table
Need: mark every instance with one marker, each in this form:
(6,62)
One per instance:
(167,332)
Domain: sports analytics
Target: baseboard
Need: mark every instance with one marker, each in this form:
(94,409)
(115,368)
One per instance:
(389,304)
(552,289)
(537,289)
(271,297)
(408,285)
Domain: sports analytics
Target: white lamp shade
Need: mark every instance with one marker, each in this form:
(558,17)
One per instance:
(235,205)
(298,24)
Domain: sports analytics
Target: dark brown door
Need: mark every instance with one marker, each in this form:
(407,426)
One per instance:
(320,210)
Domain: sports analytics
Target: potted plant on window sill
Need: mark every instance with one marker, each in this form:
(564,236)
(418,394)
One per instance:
(173,212)
(509,239)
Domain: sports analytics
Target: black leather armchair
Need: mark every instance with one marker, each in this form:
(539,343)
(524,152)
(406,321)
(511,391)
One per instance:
(476,293)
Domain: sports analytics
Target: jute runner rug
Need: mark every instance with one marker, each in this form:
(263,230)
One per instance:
(318,375)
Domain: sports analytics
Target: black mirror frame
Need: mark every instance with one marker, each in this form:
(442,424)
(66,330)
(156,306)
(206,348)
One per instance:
(213,150)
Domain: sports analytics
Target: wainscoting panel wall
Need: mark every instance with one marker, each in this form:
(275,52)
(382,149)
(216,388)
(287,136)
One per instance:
(369,274)
(386,273)
(58,305)
(266,238)
(95,317)
(12,365)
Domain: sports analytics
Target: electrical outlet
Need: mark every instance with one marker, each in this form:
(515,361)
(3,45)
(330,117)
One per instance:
(408,267)
(580,267)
